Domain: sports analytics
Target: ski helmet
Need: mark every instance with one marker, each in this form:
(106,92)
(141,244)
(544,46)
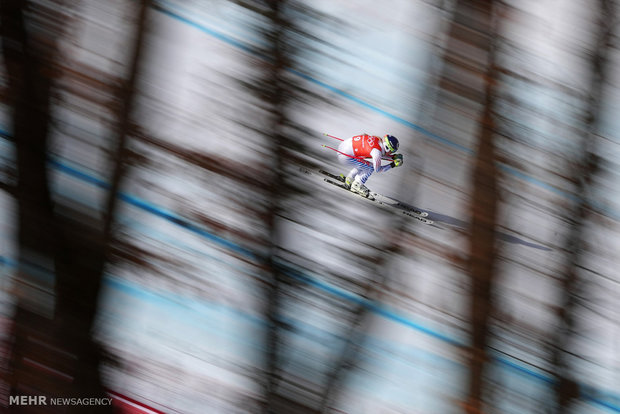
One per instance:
(391,143)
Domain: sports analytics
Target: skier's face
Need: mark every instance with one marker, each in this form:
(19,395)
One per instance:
(387,146)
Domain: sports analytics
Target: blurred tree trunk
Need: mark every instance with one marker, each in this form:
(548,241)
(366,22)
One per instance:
(483,241)
(276,88)
(40,362)
(482,250)
(275,91)
(470,73)
(62,251)
(573,283)
(124,123)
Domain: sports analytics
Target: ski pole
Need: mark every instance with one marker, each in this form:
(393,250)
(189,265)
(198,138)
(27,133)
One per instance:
(331,136)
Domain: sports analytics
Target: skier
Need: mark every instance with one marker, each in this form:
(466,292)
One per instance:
(355,150)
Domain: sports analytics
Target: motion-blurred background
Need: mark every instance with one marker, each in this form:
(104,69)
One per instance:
(161,246)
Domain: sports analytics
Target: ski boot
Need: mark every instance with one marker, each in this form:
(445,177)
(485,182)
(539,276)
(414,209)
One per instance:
(347,181)
(359,188)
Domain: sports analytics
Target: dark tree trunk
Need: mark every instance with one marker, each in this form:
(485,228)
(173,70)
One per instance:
(275,93)
(474,25)
(573,284)
(62,252)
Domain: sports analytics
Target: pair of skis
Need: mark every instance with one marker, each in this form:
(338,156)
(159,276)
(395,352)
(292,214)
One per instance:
(406,209)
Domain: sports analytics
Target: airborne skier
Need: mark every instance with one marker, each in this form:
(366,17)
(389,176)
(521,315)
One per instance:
(355,150)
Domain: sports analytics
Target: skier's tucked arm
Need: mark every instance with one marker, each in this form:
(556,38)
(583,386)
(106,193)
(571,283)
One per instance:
(376,161)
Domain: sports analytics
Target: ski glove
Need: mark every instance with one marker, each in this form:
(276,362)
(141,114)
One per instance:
(397,160)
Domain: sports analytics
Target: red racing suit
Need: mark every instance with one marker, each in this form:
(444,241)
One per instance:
(364,146)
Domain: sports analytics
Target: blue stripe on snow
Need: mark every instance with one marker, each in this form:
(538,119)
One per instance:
(158,211)
(214,33)
(375,307)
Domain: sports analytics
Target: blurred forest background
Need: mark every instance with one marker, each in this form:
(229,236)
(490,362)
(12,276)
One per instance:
(161,245)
